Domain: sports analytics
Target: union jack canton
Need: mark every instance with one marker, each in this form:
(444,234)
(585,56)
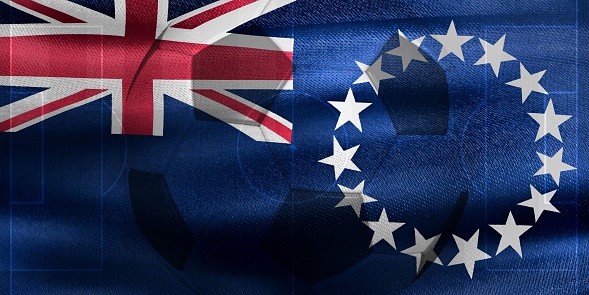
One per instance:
(81,55)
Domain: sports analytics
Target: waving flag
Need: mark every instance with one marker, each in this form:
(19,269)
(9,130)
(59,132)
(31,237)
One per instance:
(293,147)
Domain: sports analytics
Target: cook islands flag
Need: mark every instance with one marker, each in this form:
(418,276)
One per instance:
(293,147)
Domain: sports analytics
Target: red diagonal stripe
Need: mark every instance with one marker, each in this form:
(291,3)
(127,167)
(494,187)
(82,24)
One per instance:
(48,108)
(261,118)
(201,18)
(48,11)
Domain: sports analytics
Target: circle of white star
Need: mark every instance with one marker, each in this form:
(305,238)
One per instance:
(468,253)
(349,110)
(510,233)
(383,229)
(553,165)
(549,122)
(494,55)
(528,82)
(341,159)
(354,198)
(423,249)
(540,202)
(408,50)
(451,42)
(373,74)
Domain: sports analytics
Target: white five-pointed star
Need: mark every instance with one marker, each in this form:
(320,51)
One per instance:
(372,74)
(540,202)
(528,82)
(510,233)
(469,253)
(354,197)
(341,160)
(553,165)
(549,122)
(383,229)
(451,42)
(349,110)
(494,54)
(423,250)
(408,50)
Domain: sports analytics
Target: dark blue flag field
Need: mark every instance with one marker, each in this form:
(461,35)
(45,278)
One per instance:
(294,147)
